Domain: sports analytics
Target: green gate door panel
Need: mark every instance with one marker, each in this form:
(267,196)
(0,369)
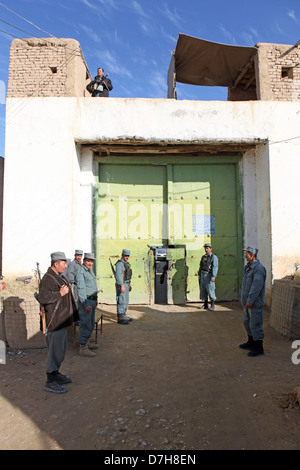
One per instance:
(208,191)
(129,204)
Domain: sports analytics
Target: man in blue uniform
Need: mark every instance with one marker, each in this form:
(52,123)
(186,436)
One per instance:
(208,271)
(73,267)
(123,287)
(87,301)
(252,299)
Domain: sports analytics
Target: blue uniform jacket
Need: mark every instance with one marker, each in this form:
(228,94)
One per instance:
(73,267)
(120,268)
(214,266)
(253,284)
(86,283)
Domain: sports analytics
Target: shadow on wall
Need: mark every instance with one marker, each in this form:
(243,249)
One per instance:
(179,282)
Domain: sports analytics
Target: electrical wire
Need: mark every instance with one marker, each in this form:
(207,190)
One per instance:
(9,34)
(32,35)
(30,22)
(285,140)
(9,24)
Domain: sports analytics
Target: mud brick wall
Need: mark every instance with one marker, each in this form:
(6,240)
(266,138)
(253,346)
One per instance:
(284,72)
(46,68)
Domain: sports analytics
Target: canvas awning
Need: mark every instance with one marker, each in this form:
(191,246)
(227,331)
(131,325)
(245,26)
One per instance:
(199,62)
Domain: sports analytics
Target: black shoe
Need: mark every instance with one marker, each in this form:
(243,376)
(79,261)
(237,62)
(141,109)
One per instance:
(212,305)
(122,320)
(205,305)
(257,349)
(128,318)
(55,387)
(248,345)
(62,379)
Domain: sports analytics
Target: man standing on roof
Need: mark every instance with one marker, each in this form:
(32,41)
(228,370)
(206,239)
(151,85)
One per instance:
(101,85)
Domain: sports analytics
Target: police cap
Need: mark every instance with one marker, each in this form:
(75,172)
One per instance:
(58,256)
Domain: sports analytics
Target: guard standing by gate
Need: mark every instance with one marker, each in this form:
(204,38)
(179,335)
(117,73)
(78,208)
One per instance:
(123,287)
(73,268)
(252,298)
(87,302)
(208,271)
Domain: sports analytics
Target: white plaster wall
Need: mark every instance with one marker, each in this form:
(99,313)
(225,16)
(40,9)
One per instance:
(171,120)
(285,206)
(263,204)
(249,206)
(84,231)
(39,186)
(49,179)
(256,208)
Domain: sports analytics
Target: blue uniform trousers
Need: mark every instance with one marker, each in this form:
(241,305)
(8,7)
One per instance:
(207,288)
(253,322)
(87,320)
(122,299)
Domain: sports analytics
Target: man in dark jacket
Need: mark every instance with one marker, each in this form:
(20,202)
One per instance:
(56,296)
(101,85)
(252,299)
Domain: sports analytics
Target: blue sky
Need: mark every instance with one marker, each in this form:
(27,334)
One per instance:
(133,39)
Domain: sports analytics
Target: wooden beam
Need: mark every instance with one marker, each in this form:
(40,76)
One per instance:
(145,150)
(243,72)
(250,81)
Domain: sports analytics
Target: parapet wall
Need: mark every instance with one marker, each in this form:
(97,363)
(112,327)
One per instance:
(47,67)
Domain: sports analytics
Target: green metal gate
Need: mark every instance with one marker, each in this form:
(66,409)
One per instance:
(174,201)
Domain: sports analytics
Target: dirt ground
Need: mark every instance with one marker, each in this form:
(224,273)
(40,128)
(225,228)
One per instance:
(174,379)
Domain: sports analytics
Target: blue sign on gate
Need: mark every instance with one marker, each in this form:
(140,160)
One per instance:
(204,224)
